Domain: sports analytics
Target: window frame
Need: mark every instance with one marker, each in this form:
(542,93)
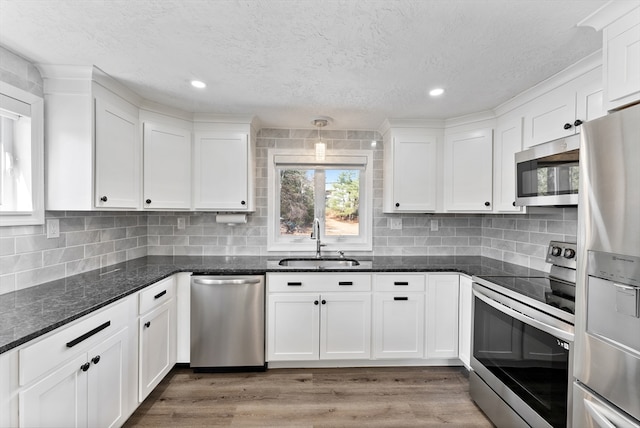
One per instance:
(36,215)
(357,159)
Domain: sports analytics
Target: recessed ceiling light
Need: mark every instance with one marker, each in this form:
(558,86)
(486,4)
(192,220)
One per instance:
(198,84)
(436,92)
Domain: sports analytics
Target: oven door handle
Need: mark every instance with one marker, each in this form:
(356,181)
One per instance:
(527,319)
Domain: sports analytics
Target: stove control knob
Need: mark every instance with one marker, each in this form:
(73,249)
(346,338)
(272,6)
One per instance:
(569,253)
(556,251)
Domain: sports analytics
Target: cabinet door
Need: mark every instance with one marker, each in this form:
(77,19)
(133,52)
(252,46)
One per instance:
(468,169)
(398,325)
(167,167)
(345,326)
(117,157)
(622,60)
(155,347)
(58,400)
(508,143)
(293,325)
(551,116)
(413,174)
(442,316)
(466,302)
(221,171)
(590,96)
(107,381)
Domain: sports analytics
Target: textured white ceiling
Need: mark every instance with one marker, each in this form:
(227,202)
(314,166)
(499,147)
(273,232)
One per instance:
(287,61)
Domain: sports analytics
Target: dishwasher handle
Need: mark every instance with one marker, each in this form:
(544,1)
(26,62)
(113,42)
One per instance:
(236,281)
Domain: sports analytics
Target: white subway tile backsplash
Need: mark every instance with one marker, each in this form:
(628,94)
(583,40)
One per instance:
(91,240)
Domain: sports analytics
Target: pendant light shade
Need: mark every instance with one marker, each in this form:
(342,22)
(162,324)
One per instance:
(321,146)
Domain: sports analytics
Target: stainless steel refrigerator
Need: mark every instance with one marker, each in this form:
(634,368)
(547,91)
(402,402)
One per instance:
(606,391)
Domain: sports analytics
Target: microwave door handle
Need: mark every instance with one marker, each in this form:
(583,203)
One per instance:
(561,334)
(597,415)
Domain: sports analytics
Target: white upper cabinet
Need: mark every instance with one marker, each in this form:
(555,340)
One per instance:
(167,167)
(468,171)
(560,112)
(508,141)
(223,171)
(410,179)
(117,157)
(622,60)
(92,137)
(620,25)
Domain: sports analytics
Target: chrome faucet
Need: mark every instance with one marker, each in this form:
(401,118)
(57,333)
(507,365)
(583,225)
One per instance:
(315,234)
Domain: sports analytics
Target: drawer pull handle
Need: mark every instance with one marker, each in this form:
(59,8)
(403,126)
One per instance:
(160,294)
(345,282)
(400,298)
(401,283)
(294,284)
(88,334)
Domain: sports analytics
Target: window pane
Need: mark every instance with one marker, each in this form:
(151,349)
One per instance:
(296,201)
(15,163)
(342,190)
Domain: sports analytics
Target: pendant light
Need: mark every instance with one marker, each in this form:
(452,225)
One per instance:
(321,146)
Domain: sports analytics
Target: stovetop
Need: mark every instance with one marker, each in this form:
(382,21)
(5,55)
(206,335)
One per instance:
(540,290)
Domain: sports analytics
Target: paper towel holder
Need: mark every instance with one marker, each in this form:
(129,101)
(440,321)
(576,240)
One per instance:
(231,219)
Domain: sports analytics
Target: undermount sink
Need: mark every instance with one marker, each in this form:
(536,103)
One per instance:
(319,263)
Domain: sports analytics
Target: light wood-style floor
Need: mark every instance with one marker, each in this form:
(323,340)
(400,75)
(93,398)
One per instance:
(345,397)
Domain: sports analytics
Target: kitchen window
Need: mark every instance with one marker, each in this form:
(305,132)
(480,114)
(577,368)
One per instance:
(336,190)
(21,157)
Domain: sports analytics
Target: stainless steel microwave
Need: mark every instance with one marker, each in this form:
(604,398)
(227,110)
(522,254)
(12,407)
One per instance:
(547,174)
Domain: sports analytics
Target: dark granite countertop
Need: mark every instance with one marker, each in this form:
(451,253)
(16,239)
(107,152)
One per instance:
(32,312)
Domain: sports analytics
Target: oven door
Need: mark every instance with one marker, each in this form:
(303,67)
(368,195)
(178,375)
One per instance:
(524,356)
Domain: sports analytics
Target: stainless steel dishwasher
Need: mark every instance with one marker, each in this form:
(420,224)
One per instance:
(227,323)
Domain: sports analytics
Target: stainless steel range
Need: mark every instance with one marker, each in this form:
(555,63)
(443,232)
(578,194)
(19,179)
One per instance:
(522,344)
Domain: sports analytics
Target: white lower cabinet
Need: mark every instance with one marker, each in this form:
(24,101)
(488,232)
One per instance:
(316,318)
(310,317)
(93,372)
(345,326)
(156,335)
(398,325)
(442,316)
(92,385)
(309,326)
(398,315)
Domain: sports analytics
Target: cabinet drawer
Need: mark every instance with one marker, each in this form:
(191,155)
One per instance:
(322,282)
(67,342)
(157,294)
(399,282)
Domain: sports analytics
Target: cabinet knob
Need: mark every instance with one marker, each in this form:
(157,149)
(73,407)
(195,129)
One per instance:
(315,302)
(243,203)
(487,204)
(148,201)
(147,324)
(96,359)
(85,367)
(397,204)
(567,126)
(578,122)
(324,302)
(514,203)
(103,199)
